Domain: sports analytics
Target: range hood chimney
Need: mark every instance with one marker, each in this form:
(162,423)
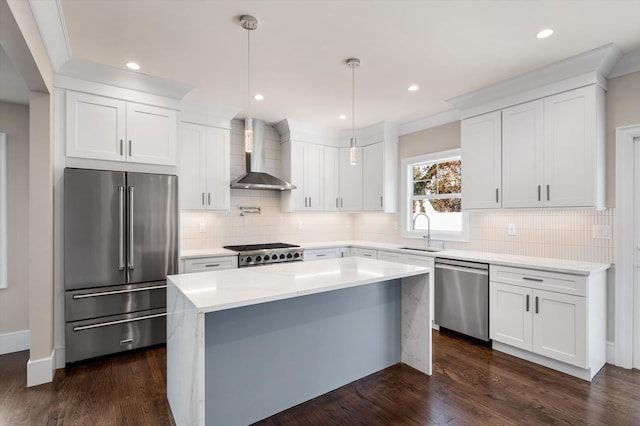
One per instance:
(256,178)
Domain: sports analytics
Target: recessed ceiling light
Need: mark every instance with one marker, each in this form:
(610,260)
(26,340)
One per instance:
(545,33)
(133,66)
(258,97)
(413,88)
(342,117)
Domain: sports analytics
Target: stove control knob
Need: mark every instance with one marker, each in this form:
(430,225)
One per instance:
(282,256)
(258,259)
(266,257)
(289,256)
(296,255)
(248,259)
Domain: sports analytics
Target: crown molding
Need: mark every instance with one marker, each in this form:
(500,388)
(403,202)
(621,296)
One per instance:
(629,63)
(430,121)
(53,30)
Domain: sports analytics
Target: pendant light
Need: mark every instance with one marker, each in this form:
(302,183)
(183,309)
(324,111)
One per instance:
(353,63)
(249,23)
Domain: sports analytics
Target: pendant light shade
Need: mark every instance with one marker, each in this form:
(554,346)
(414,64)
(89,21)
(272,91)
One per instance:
(249,23)
(353,63)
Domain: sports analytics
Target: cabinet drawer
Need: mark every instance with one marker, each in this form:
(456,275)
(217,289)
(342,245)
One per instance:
(372,254)
(390,256)
(321,254)
(204,264)
(544,280)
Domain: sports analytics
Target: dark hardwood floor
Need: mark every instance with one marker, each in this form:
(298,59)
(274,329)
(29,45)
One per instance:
(471,385)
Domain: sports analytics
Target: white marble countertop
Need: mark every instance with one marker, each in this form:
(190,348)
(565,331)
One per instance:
(554,265)
(232,288)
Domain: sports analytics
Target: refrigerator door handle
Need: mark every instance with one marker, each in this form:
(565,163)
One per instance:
(121,228)
(130,263)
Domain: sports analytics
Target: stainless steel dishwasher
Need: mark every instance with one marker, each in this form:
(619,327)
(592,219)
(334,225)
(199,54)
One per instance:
(462,297)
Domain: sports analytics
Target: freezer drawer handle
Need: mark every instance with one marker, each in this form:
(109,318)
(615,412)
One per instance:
(121,228)
(131,188)
(109,293)
(538,280)
(124,321)
(462,269)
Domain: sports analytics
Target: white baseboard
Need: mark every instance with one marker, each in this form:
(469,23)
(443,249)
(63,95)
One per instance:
(611,353)
(14,342)
(41,370)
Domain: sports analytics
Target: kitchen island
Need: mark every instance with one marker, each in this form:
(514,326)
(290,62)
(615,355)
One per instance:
(245,344)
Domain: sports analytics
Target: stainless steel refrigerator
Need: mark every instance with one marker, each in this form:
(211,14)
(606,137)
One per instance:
(120,243)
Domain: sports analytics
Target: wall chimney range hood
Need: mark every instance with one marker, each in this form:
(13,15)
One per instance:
(256,178)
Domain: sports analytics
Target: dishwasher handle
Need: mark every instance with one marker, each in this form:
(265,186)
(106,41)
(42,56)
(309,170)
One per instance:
(462,269)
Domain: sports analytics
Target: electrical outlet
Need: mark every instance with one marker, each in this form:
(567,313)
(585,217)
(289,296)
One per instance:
(601,232)
(203,227)
(511,229)
(299,224)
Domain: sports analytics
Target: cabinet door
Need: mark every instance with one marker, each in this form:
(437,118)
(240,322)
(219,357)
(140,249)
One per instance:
(481,161)
(297,176)
(218,176)
(350,182)
(95,127)
(313,159)
(510,315)
(192,166)
(522,144)
(151,134)
(373,177)
(560,327)
(390,256)
(319,254)
(331,178)
(570,148)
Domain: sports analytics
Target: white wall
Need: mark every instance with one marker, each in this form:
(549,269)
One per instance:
(225,228)
(14,300)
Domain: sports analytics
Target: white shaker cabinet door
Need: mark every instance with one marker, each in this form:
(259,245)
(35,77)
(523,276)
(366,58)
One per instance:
(192,167)
(510,315)
(570,148)
(95,127)
(560,327)
(350,182)
(373,177)
(481,146)
(522,155)
(313,170)
(331,178)
(151,134)
(218,159)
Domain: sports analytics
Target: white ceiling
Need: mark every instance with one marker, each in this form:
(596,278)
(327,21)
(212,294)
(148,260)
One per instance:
(447,47)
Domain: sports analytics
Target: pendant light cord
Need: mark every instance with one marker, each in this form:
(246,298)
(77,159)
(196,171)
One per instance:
(248,73)
(353,102)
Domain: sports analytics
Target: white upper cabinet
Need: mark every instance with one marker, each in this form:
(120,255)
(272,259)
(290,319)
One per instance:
(104,128)
(552,153)
(481,161)
(522,159)
(574,148)
(302,165)
(373,177)
(350,181)
(204,174)
(331,174)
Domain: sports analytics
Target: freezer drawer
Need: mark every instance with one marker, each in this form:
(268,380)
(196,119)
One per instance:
(118,333)
(114,300)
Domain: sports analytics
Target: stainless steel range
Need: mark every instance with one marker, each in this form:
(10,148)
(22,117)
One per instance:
(265,254)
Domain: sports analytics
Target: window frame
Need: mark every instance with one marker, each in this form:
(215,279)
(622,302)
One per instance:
(406,190)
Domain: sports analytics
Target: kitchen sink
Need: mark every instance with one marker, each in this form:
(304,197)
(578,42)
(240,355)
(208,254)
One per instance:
(430,249)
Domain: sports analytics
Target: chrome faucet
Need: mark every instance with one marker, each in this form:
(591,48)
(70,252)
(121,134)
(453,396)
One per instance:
(428,236)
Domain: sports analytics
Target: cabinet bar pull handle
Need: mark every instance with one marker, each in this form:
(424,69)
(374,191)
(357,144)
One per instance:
(129,148)
(539,280)
(321,255)
(539,193)
(305,201)
(537,310)
(212,265)
(336,203)
(309,201)
(203,198)
(209,198)
(340,202)
(547,192)
(381,201)
(527,304)
(124,321)
(121,152)
(496,195)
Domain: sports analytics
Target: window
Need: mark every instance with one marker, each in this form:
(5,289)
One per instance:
(431,195)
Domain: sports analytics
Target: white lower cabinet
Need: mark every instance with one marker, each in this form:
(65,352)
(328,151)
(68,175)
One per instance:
(214,263)
(364,252)
(323,253)
(566,325)
(391,256)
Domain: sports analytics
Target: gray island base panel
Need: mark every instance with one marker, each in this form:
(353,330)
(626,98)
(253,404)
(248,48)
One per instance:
(238,365)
